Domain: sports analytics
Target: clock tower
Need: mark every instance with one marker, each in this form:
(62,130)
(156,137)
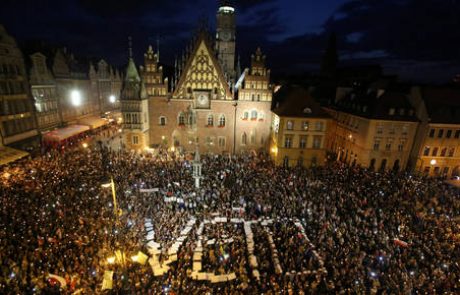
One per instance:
(225,37)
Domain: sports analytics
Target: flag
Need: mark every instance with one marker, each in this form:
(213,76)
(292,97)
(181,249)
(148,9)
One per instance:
(400,243)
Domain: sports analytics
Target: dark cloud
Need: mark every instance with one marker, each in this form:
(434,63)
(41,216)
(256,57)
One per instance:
(136,8)
(408,29)
(245,5)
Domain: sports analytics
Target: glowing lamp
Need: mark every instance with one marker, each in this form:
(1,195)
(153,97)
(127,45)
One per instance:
(85,145)
(433,162)
(75,98)
(112,98)
(111,260)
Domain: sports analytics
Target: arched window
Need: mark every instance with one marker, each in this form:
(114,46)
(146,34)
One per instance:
(254,115)
(162,121)
(290,125)
(210,120)
(181,119)
(222,121)
(244,139)
(261,116)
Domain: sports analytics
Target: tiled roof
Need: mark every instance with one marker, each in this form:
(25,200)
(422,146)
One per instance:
(296,101)
(442,104)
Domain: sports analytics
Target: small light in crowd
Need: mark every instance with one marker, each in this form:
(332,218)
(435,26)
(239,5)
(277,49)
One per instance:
(85,145)
(106,185)
(111,260)
(380,258)
(373,274)
(412,272)
(134,258)
(12,275)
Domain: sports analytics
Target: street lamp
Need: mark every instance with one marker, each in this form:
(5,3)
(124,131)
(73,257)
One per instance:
(433,162)
(75,98)
(112,99)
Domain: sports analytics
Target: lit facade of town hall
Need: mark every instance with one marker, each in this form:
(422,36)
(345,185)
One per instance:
(210,102)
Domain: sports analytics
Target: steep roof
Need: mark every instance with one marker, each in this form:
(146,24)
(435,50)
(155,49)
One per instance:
(203,38)
(296,101)
(378,103)
(132,74)
(442,104)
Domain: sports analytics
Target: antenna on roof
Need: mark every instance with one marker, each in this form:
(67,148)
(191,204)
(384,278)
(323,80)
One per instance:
(130,47)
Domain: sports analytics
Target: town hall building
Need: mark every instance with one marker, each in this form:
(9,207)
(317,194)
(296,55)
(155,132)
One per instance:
(209,103)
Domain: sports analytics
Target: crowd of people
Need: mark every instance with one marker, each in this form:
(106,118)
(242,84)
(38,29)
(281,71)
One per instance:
(375,232)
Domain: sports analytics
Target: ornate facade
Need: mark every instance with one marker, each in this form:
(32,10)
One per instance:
(18,126)
(203,104)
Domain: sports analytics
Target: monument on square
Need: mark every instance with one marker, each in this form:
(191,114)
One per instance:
(197,168)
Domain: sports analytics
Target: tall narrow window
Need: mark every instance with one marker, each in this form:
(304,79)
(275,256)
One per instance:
(244,139)
(181,119)
(210,120)
(222,121)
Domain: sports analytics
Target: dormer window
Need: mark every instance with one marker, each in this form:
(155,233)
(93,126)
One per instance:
(391,112)
(307,111)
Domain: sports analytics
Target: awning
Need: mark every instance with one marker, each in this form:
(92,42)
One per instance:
(61,134)
(8,155)
(93,122)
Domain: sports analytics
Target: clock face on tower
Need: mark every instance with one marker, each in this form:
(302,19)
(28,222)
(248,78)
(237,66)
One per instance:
(226,36)
(202,100)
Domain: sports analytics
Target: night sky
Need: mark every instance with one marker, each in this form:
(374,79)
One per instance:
(418,39)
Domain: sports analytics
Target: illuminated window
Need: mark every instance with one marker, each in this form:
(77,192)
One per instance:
(210,120)
(135,139)
(290,125)
(244,139)
(388,146)
(181,119)
(319,126)
(426,151)
(222,142)
(305,125)
(317,142)
(288,141)
(222,121)
(303,142)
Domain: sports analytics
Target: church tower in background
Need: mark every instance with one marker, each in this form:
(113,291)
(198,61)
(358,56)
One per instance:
(225,37)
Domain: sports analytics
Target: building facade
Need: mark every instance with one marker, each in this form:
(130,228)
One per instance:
(436,149)
(299,129)
(106,86)
(18,125)
(202,106)
(373,128)
(43,88)
(134,108)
